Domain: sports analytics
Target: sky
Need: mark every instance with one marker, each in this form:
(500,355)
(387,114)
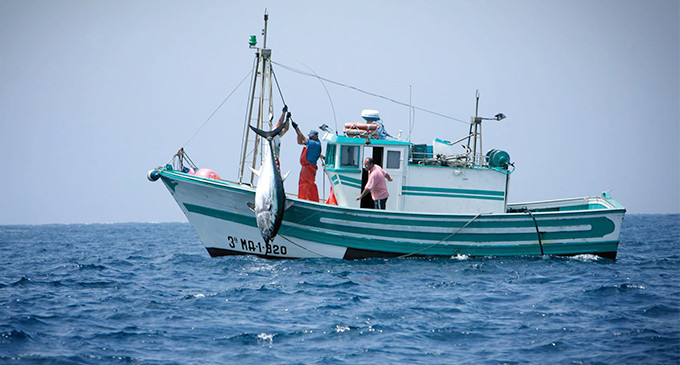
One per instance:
(93,94)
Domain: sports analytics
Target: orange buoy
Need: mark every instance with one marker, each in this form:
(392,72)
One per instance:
(208,174)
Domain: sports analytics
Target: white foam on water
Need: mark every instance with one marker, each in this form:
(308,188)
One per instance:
(585,257)
(339,328)
(266,337)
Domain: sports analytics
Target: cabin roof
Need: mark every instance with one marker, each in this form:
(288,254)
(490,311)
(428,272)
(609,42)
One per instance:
(334,138)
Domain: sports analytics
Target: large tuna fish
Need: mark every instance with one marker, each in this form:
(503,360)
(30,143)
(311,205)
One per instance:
(270,198)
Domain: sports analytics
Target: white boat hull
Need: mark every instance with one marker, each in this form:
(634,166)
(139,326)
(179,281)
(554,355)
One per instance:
(219,213)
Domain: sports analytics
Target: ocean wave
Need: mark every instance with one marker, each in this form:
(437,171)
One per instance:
(609,289)
(662,310)
(13,336)
(342,284)
(454,334)
(25,280)
(249,338)
(93,267)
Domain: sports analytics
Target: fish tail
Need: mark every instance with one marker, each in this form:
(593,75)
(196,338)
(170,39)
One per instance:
(269,134)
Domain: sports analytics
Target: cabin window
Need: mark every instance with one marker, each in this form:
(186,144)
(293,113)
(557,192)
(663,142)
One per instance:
(330,155)
(393,158)
(349,156)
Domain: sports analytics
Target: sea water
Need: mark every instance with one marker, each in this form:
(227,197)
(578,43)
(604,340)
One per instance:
(150,294)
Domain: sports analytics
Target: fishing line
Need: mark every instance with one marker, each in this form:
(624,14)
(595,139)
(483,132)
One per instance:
(280,93)
(218,108)
(444,239)
(304,248)
(278,87)
(369,93)
(335,119)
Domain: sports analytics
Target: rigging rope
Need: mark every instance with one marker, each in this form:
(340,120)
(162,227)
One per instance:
(218,108)
(538,233)
(368,93)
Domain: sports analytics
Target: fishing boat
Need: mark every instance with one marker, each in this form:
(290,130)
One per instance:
(442,203)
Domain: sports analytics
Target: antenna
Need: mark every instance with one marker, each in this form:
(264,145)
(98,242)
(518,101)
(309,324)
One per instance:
(410,111)
(473,125)
(476,123)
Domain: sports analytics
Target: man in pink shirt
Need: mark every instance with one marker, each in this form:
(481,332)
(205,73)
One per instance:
(376,184)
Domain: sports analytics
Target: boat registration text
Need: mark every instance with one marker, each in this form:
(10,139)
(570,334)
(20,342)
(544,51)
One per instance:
(257,247)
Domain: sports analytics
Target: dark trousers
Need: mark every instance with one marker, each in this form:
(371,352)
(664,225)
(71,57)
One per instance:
(380,204)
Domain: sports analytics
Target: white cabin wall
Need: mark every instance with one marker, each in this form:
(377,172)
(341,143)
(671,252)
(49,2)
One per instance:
(464,190)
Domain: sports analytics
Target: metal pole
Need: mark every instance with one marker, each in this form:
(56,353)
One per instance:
(266,17)
(269,77)
(474,148)
(250,115)
(480,127)
(262,95)
(481,151)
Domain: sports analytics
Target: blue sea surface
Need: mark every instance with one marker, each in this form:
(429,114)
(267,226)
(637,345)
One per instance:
(150,294)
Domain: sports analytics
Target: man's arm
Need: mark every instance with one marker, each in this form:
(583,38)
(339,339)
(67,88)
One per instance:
(301,139)
(363,193)
(284,115)
(285,129)
(368,187)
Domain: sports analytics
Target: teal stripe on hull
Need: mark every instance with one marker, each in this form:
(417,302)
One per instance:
(452,195)
(344,178)
(351,185)
(599,227)
(220,214)
(348,181)
(453,191)
(308,211)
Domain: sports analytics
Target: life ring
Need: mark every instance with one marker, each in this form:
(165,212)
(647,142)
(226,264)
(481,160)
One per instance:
(356,132)
(362,126)
(360,133)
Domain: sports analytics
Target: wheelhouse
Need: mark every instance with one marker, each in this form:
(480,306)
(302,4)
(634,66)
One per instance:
(422,180)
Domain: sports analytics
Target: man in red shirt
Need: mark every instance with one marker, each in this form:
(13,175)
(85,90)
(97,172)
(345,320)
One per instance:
(376,184)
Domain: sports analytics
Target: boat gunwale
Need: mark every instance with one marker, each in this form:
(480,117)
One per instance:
(372,212)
